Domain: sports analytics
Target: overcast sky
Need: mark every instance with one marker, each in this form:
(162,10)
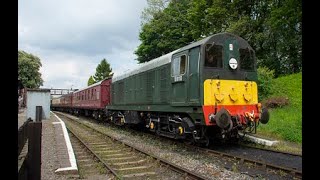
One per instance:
(71,37)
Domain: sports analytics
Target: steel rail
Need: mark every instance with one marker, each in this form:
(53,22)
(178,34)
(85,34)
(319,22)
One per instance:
(185,172)
(242,159)
(271,150)
(95,155)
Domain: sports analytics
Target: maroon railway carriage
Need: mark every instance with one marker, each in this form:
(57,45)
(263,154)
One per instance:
(92,100)
(62,103)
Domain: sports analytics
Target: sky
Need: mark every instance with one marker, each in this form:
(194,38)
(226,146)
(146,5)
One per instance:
(71,37)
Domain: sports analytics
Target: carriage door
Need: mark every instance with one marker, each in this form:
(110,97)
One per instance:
(193,83)
(179,78)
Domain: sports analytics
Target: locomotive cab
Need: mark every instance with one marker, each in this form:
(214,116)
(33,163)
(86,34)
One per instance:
(230,93)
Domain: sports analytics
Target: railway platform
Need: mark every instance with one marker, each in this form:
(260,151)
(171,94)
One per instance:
(57,157)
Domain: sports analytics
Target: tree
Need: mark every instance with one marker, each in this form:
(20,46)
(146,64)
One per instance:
(28,70)
(103,71)
(272,27)
(180,23)
(91,81)
(167,31)
(285,26)
(154,7)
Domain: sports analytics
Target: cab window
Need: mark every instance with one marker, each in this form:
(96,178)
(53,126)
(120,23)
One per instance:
(213,56)
(246,59)
(179,65)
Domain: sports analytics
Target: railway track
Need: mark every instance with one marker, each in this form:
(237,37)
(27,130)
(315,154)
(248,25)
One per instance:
(275,162)
(271,150)
(123,160)
(266,159)
(88,165)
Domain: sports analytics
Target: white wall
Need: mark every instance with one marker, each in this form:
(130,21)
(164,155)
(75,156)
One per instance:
(38,98)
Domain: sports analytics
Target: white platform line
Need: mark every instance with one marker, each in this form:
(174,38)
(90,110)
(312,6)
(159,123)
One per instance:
(259,140)
(72,157)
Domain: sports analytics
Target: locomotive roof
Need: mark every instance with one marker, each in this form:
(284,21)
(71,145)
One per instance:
(165,59)
(159,61)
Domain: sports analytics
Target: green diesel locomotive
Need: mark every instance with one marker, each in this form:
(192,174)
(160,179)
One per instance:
(201,92)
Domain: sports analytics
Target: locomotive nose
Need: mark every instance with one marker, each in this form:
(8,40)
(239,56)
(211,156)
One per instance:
(264,116)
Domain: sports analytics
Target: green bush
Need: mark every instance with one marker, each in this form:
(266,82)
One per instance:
(265,76)
(275,102)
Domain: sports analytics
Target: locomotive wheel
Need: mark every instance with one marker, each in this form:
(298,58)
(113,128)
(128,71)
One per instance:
(190,141)
(205,142)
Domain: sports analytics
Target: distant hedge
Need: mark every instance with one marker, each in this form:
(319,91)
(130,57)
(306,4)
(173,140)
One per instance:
(265,76)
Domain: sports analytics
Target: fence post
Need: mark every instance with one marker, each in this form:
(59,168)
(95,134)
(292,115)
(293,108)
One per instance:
(38,113)
(22,139)
(23,135)
(34,150)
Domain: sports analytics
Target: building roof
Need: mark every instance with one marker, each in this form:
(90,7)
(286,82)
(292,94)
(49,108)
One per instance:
(38,90)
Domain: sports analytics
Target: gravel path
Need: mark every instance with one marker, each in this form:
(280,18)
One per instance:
(49,161)
(49,158)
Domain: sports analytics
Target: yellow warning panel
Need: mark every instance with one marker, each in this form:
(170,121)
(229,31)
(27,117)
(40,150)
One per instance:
(230,92)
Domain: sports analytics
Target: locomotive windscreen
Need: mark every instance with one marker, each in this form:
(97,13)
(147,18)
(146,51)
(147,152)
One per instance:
(246,59)
(213,56)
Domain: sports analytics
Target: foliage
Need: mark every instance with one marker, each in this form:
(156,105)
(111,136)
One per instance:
(91,81)
(289,86)
(265,77)
(283,44)
(28,70)
(286,122)
(154,7)
(164,33)
(273,28)
(103,71)
(275,102)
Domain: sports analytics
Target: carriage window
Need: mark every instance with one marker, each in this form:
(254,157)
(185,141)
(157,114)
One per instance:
(213,56)
(246,59)
(91,93)
(179,65)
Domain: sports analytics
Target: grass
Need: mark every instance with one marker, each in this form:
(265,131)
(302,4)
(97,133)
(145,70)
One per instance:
(285,123)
